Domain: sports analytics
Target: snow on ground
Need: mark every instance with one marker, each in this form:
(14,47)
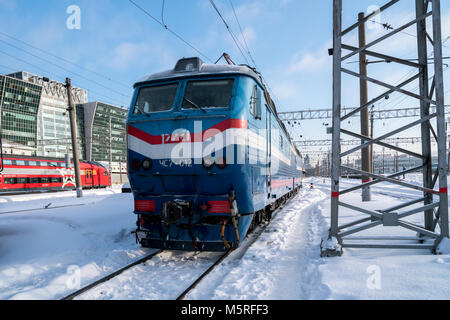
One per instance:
(282,264)
(285,262)
(42,251)
(38,247)
(384,273)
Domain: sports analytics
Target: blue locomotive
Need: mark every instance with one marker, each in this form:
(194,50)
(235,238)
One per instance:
(208,157)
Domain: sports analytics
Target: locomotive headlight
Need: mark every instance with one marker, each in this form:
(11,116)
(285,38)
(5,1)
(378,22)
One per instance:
(208,162)
(147,164)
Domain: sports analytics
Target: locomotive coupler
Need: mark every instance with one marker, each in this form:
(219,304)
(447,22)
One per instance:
(176,210)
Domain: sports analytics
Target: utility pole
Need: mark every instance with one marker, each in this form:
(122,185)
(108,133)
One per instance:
(365,152)
(110,147)
(73,128)
(396,162)
(120,170)
(328,165)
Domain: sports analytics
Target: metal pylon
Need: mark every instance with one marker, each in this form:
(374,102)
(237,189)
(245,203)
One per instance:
(434,204)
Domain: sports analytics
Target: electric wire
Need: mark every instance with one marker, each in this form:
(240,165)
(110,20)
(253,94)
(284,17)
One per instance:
(245,43)
(249,51)
(170,30)
(388,27)
(162,13)
(243,35)
(63,59)
(65,69)
(236,41)
(60,77)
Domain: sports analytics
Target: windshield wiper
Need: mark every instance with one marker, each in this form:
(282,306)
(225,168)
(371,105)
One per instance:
(141,111)
(194,104)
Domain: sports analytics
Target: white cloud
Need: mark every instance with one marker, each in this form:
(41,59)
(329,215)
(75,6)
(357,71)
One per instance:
(128,54)
(316,61)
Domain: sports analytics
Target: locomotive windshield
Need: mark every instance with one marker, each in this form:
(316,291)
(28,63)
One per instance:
(208,94)
(156,99)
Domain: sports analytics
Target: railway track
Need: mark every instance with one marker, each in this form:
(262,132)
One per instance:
(254,235)
(45,208)
(110,276)
(26,193)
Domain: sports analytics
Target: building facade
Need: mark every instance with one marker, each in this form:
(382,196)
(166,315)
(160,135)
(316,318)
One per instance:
(34,121)
(19,108)
(53,129)
(105,133)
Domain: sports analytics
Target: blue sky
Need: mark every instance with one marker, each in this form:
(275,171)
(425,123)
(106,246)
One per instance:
(288,39)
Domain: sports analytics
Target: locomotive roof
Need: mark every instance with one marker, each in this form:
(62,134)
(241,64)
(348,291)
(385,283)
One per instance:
(200,69)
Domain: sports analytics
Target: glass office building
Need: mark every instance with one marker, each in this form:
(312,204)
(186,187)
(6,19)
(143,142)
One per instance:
(19,107)
(105,132)
(35,121)
(53,122)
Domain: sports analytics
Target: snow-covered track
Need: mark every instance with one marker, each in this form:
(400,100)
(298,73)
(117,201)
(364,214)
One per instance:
(252,236)
(215,262)
(110,276)
(26,193)
(45,208)
(204,274)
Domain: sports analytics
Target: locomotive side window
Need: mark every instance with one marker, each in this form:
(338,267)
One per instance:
(34,180)
(208,94)
(255,103)
(156,99)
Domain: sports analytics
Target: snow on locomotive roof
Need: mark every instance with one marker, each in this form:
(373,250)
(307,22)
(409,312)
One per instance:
(195,66)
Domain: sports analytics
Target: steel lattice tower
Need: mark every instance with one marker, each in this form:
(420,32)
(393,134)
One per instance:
(434,204)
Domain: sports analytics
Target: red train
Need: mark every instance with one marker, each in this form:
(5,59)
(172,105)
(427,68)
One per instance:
(23,173)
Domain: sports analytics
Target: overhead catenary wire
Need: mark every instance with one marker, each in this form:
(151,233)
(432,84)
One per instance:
(162,13)
(65,69)
(248,49)
(239,45)
(243,35)
(170,30)
(389,27)
(235,40)
(59,77)
(63,59)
